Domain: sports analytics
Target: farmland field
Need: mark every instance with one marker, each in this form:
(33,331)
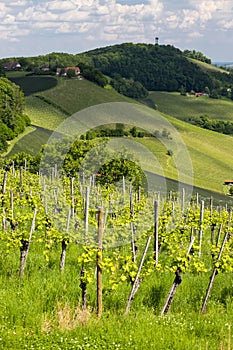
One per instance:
(183,107)
(32,84)
(32,142)
(43,114)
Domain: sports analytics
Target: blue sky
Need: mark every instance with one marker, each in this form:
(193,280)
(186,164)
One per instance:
(33,27)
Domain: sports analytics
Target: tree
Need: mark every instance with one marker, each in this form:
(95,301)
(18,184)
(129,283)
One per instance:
(12,118)
(70,73)
(207,90)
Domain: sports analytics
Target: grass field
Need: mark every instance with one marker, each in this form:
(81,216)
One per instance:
(74,95)
(208,67)
(31,142)
(183,107)
(43,114)
(42,310)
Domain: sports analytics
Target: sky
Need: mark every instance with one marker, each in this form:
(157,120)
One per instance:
(38,27)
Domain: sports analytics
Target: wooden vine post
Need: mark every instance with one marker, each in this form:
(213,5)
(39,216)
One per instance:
(72,197)
(4,183)
(156,232)
(183,200)
(137,280)
(83,284)
(25,244)
(214,273)
(132,228)
(201,227)
(64,244)
(99,262)
(4,226)
(177,281)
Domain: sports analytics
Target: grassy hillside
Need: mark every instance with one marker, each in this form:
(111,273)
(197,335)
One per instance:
(208,67)
(74,95)
(211,153)
(51,107)
(182,107)
(43,114)
(31,142)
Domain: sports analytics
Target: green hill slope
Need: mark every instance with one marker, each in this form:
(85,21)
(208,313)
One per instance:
(210,152)
(48,108)
(73,95)
(208,67)
(182,107)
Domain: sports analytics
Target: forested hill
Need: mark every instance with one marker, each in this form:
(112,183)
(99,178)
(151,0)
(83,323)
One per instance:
(136,68)
(12,118)
(156,67)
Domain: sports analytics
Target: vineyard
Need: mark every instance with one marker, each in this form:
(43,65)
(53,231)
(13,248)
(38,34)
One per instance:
(75,255)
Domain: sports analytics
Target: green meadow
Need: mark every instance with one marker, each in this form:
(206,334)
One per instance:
(183,107)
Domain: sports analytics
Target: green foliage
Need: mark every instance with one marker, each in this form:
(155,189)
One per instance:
(70,73)
(93,75)
(156,67)
(91,157)
(197,55)
(2,71)
(129,87)
(221,126)
(12,118)
(113,171)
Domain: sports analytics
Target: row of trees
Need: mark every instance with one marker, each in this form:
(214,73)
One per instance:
(221,126)
(197,55)
(12,118)
(83,156)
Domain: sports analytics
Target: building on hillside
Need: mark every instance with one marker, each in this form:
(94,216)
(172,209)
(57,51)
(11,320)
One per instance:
(63,71)
(11,65)
(45,68)
(228,182)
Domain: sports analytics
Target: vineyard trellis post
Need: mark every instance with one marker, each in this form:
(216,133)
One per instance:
(83,283)
(99,261)
(72,196)
(137,280)
(183,200)
(132,228)
(156,232)
(4,183)
(201,226)
(4,221)
(25,244)
(177,281)
(203,309)
(64,244)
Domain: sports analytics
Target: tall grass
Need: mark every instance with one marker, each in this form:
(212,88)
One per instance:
(42,310)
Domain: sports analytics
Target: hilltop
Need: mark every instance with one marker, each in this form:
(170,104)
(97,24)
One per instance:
(132,68)
(50,99)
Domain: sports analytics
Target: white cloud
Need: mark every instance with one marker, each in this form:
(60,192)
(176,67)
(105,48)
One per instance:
(111,21)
